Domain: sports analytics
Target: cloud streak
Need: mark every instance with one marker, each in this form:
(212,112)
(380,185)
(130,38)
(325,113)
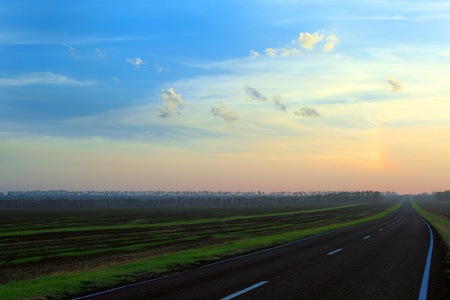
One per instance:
(72,51)
(42,78)
(254,94)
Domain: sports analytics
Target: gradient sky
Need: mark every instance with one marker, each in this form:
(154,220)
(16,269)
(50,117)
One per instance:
(266,95)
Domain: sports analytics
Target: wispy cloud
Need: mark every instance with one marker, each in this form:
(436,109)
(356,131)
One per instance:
(172,102)
(222,112)
(254,53)
(283,52)
(279,104)
(24,38)
(255,94)
(307,112)
(159,69)
(100,53)
(394,84)
(72,51)
(271,52)
(331,43)
(136,62)
(42,78)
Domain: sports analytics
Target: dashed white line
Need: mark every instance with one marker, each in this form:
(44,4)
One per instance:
(366,237)
(381,229)
(244,290)
(335,251)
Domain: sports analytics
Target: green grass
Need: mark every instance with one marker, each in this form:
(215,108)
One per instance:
(441,223)
(26,260)
(70,284)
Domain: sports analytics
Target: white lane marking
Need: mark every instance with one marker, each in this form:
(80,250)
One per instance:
(244,290)
(381,229)
(366,237)
(333,252)
(389,225)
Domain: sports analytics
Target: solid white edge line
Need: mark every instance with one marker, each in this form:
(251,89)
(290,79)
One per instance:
(426,272)
(244,290)
(335,251)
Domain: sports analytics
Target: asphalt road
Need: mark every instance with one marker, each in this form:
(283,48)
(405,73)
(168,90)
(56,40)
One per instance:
(382,259)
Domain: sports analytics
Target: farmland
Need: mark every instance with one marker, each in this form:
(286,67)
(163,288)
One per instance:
(45,243)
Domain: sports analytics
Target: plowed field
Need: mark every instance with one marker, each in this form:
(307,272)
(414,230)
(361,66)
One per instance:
(34,243)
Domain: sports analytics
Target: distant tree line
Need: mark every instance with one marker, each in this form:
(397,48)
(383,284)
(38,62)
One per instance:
(261,200)
(442,196)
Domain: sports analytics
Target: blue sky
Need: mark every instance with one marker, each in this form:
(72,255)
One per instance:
(137,94)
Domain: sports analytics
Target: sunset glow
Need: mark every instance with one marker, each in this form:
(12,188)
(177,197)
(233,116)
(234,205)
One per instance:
(223,95)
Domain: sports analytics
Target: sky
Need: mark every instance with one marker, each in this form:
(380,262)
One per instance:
(267,95)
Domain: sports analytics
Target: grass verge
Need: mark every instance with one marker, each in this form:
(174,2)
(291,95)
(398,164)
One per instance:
(441,223)
(69,284)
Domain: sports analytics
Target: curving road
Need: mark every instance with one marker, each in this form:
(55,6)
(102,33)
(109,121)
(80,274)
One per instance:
(381,259)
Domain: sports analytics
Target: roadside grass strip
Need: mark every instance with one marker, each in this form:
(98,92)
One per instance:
(67,285)
(129,225)
(441,223)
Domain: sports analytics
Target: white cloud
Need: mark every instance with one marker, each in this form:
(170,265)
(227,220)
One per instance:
(159,69)
(309,41)
(42,78)
(289,52)
(116,79)
(172,103)
(307,112)
(72,51)
(279,102)
(271,52)
(136,62)
(254,53)
(255,94)
(100,53)
(332,41)
(221,112)
(395,84)
(283,52)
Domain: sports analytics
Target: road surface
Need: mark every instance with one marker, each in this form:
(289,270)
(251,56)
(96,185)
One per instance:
(381,259)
